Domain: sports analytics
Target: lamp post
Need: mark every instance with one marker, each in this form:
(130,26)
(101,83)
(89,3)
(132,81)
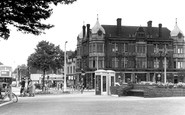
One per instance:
(65,87)
(165,66)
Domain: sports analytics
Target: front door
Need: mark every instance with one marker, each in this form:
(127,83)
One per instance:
(104,85)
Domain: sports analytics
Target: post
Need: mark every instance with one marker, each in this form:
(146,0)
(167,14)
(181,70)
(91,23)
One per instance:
(10,92)
(65,87)
(165,64)
(97,61)
(165,69)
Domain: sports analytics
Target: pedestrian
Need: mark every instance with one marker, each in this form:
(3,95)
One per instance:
(22,83)
(81,88)
(61,85)
(31,88)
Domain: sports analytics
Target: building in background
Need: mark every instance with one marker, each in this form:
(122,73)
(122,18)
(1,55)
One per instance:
(134,52)
(178,54)
(72,78)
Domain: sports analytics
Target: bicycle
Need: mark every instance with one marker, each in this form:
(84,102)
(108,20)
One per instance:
(12,96)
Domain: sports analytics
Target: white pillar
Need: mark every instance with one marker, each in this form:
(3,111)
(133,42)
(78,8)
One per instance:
(65,86)
(165,69)
(165,64)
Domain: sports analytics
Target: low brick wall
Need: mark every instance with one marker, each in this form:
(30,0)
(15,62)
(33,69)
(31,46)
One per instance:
(114,90)
(164,92)
(151,91)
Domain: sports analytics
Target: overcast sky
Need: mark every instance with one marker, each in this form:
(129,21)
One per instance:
(68,21)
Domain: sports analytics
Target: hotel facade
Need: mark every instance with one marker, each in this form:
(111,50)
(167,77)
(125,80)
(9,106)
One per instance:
(139,53)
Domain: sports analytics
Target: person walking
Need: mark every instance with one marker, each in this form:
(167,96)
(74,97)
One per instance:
(81,88)
(22,87)
(31,88)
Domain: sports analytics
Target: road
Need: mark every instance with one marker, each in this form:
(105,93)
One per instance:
(90,104)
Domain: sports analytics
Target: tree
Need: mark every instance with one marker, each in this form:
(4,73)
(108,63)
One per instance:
(1,63)
(22,71)
(47,57)
(26,15)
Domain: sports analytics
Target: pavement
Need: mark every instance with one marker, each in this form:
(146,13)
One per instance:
(54,91)
(87,93)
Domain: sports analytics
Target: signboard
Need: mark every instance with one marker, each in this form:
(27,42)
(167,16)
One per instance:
(5,73)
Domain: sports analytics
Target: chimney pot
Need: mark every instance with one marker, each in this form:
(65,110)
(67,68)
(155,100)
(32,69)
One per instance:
(149,23)
(88,30)
(83,27)
(160,30)
(119,26)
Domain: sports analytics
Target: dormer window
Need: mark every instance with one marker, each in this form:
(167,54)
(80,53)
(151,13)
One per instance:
(140,32)
(99,32)
(179,35)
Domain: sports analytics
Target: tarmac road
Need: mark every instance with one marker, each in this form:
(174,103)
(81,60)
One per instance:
(91,104)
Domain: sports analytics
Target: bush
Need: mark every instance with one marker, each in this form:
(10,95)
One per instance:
(38,86)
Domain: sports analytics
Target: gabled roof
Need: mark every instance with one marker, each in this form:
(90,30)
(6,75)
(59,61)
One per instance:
(176,30)
(97,27)
(111,30)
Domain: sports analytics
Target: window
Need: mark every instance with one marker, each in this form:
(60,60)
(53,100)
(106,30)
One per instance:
(74,69)
(114,47)
(100,47)
(156,48)
(126,47)
(141,63)
(126,63)
(150,63)
(93,47)
(156,63)
(68,70)
(71,71)
(114,62)
(180,50)
(100,62)
(92,62)
(122,62)
(90,48)
(141,48)
(179,64)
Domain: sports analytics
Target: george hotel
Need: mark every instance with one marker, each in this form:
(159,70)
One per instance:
(139,53)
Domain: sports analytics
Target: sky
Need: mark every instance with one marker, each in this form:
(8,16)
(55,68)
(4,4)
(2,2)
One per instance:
(69,19)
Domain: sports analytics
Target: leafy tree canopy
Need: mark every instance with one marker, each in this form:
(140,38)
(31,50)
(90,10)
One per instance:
(47,56)
(26,15)
(1,63)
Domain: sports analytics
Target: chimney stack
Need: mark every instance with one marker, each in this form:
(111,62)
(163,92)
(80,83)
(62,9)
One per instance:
(160,30)
(88,30)
(119,26)
(83,27)
(149,23)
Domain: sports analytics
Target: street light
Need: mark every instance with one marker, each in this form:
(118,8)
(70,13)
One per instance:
(65,87)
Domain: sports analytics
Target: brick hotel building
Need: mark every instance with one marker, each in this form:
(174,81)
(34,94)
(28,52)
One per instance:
(135,52)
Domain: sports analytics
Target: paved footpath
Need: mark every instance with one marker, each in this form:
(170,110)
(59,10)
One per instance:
(90,104)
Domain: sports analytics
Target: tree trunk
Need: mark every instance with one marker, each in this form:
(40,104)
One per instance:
(43,81)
